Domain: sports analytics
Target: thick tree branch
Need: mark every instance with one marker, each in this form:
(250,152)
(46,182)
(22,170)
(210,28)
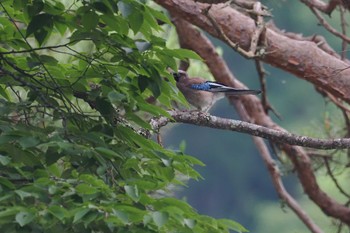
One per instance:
(278,136)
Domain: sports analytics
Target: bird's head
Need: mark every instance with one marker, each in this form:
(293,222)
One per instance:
(179,75)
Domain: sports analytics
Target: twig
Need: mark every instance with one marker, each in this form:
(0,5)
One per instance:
(264,101)
(321,5)
(259,32)
(57,87)
(282,192)
(327,26)
(335,181)
(38,49)
(337,102)
(344,44)
(347,124)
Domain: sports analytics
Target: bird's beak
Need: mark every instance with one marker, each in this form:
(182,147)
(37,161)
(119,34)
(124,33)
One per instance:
(176,76)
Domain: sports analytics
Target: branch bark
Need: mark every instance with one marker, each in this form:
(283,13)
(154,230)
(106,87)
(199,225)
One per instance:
(278,136)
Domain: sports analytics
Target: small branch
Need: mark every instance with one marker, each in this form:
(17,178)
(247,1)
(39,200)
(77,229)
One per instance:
(207,120)
(336,101)
(347,124)
(264,101)
(40,48)
(335,181)
(344,44)
(327,26)
(259,32)
(321,5)
(278,183)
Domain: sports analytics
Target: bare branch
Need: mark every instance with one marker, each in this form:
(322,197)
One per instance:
(343,24)
(335,181)
(321,5)
(327,26)
(278,183)
(264,101)
(279,136)
(39,48)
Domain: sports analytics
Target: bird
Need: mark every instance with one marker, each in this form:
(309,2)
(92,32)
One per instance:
(202,94)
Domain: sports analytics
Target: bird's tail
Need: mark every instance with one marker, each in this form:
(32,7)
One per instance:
(241,92)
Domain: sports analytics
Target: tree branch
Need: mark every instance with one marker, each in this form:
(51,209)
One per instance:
(281,190)
(278,136)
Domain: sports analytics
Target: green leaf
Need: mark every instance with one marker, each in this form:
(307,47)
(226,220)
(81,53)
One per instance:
(85,189)
(108,153)
(105,107)
(155,110)
(116,97)
(160,218)
(135,20)
(23,194)
(27,142)
(116,23)
(24,217)
(19,4)
(138,120)
(142,82)
(4,93)
(41,25)
(58,211)
(10,211)
(5,182)
(232,225)
(183,54)
(124,8)
(48,60)
(121,216)
(90,20)
(102,7)
(80,213)
(54,7)
(160,15)
(189,223)
(35,8)
(132,192)
(4,160)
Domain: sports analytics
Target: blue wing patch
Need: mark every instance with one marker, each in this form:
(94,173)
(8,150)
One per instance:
(201,86)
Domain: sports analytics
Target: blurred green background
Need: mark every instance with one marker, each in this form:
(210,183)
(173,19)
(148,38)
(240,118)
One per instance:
(236,183)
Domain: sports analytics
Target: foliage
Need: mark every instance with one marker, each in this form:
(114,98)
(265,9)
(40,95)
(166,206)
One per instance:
(75,152)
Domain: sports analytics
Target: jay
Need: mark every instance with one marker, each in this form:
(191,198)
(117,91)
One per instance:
(202,94)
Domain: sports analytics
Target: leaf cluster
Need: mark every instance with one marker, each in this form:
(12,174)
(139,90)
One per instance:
(75,88)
